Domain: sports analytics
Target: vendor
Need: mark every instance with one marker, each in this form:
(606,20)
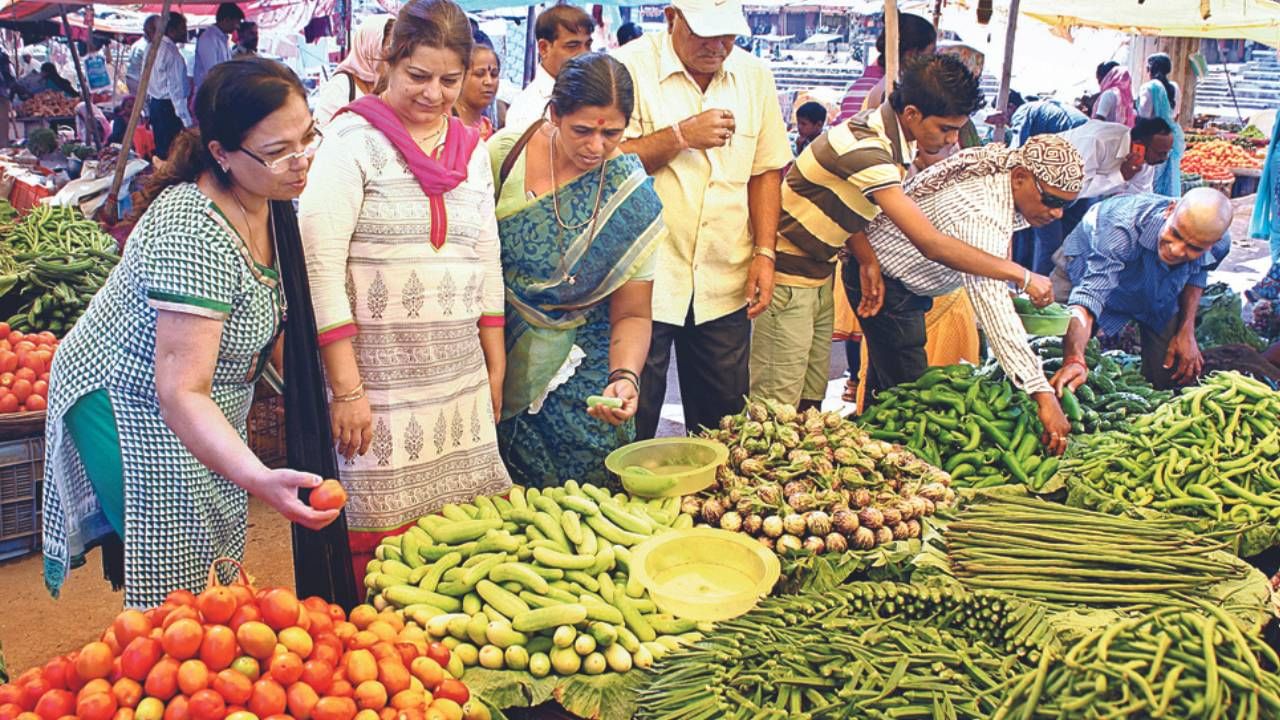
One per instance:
(980,195)
(55,82)
(1118,160)
(150,391)
(1144,258)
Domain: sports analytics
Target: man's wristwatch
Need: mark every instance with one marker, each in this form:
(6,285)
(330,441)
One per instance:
(761,251)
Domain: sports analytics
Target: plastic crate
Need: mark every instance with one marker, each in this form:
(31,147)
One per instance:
(265,430)
(21,482)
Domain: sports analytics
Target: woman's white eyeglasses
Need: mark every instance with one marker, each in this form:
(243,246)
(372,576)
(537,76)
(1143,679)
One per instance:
(282,163)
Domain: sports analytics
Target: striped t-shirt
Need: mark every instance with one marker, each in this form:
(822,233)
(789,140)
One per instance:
(827,193)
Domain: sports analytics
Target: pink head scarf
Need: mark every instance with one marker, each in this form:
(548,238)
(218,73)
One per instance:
(365,59)
(1118,79)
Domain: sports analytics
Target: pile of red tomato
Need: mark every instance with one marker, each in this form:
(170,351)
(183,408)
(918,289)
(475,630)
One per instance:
(235,653)
(24,369)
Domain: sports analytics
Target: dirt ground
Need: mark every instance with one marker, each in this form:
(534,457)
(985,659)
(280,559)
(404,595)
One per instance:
(34,627)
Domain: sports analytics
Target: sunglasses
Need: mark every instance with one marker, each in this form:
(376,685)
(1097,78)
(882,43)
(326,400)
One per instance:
(1053,202)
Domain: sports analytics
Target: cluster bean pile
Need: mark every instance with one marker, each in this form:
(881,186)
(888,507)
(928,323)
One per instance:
(1061,555)
(539,582)
(1213,452)
(1165,664)
(815,481)
(866,650)
(54,260)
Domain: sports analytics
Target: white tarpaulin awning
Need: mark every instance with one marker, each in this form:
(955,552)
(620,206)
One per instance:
(773,38)
(821,39)
(1225,19)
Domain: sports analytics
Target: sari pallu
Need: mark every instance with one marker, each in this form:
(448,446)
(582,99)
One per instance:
(1169,174)
(545,434)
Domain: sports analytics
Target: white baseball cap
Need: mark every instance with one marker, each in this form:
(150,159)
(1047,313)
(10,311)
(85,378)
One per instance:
(713,18)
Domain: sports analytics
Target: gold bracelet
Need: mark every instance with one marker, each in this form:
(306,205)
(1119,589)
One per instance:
(352,396)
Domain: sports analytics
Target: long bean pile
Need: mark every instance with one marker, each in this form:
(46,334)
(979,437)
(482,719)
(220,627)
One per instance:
(1166,664)
(1062,555)
(1213,452)
(868,650)
(981,430)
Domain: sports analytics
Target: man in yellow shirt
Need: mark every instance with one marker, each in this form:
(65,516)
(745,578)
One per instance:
(708,127)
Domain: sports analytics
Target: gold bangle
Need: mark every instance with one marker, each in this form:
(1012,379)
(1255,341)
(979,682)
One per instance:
(765,252)
(352,396)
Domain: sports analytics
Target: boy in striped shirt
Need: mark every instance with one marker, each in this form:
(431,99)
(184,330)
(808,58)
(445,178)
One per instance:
(840,183)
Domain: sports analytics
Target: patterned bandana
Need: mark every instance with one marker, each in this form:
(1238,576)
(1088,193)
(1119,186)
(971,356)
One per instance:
(1054,162)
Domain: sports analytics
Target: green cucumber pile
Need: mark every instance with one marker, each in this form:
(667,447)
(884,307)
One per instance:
(1164,664)
(981,430)
(1213,452)
(866,650)
(539,582)
(1114,393)
(1067,556)
(56,260)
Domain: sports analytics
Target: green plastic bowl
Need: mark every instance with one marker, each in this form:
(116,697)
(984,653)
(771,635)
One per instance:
(667,467)
(1045,325)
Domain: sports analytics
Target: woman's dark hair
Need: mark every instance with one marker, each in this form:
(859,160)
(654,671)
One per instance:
(1159,65)
(914,34)
(439,24)
(1104,68)
(593,80)
(938,86)
(235,96)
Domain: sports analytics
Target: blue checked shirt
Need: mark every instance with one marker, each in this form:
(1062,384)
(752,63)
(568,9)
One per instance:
(1115,267)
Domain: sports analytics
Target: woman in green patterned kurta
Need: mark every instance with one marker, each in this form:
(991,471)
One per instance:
(150,391)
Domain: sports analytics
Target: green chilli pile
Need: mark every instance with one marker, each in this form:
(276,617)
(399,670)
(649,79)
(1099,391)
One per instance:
(1166,664)
(982,430)
(1113,395)
(1213,452)
(814,481)
(866,650)
(539,582)
(1061,555)
(56,261)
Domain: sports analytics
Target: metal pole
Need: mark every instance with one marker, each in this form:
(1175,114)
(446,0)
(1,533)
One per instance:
(1006,70)
(530,46)
(890,46)
(127,141)
(1232,88)
(91,122)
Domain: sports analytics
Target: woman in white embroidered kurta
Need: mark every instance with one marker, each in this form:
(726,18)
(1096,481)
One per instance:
(409,299)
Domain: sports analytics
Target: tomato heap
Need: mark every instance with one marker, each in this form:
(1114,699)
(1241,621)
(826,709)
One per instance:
(240,654)
(1215,160)
(24,369)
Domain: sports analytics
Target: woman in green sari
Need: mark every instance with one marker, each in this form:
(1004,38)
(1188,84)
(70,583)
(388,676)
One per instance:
(579,223)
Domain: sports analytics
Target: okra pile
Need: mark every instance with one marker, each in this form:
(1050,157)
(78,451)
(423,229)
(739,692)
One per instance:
(56,261)
(1213,452)
(539,582)
(979,428)
(1067,556)
(814,481)
(1114,393)
(866,650)
(1165,664)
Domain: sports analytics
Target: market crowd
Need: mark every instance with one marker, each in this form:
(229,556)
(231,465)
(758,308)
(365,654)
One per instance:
(470,298)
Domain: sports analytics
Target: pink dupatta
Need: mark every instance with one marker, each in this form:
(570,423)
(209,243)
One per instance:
(1118,79)
(436,176)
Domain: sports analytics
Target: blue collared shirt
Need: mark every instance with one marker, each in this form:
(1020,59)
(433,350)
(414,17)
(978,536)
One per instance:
(1115,268)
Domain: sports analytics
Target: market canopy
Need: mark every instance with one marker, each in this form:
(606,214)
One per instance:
(1257,20)
(822,39)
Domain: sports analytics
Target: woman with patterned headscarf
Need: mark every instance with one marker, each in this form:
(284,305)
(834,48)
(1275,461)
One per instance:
(358,73)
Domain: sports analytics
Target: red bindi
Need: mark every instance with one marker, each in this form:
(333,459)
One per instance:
(599,121)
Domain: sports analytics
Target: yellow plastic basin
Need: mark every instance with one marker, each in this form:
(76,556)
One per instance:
(705,574)
(666,467)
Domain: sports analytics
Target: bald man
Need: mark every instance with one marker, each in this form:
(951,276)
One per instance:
(1141,258)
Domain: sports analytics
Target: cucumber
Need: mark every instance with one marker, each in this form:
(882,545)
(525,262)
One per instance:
(502,635)
(477,629)
(405,595)
(583,580)
(607,588)
(618,658)
(516,657)
(396,569)
(581,505)
(605,635)
(504,602)
(498,541)
(547,618)
(564,561)
(670,625)
(472,604)
(597,610)
(547,505)
(635,621)
(612,533)
(487,510)
(504,507)
(517,499)
(605,559)
(538,601)
(590,544)
(455,513)
(626,520)
(572,527)
(522,574)
(437,570)
(609,402)
(460,532)
(550,527)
